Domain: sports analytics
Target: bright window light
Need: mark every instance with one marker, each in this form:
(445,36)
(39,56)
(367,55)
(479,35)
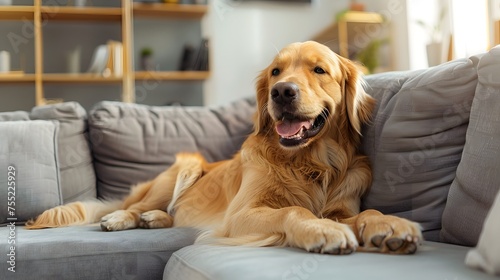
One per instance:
(470,27)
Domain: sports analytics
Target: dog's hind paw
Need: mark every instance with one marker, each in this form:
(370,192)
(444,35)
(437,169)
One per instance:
(156,219)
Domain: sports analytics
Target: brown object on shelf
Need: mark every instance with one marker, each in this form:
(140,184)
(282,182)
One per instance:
(355,6)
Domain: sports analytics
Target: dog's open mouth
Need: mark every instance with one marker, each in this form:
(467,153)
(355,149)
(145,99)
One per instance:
(294,131)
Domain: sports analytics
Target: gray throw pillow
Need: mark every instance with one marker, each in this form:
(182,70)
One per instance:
(133,143)
(478,175)
(416,139)
(29,169)
(78,180)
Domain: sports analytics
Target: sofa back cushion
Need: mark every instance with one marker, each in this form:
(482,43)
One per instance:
(30,174)
(415,141)
(478,175)
(133,143)
(75,159)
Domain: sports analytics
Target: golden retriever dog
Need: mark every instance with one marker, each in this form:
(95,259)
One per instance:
(297,180)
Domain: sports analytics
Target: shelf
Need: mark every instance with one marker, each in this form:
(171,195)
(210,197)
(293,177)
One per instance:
(17,78)
(17,12)
(79,78)
(160,10)
(172,75)
(81,13)
(361,17)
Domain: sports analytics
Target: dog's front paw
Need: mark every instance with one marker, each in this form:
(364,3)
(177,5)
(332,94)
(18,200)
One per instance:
(323,236)
(388,234)
(156,219)
(118,220)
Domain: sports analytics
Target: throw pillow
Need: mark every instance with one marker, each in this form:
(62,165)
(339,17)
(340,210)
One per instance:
(416,138)
(75,159)
(486,255)
(478,174)
(134,143)
(29,173)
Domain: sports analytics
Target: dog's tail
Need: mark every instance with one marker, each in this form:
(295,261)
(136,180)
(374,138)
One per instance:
(75,213)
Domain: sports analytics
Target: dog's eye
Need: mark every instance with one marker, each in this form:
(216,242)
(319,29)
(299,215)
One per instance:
(319,70)
(275,72)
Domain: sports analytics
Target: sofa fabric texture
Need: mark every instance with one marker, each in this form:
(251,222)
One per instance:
(478,175)
(134,143)
(30,172)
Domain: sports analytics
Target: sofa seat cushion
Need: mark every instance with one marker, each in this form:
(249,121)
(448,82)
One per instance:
(432,261)
(86,252)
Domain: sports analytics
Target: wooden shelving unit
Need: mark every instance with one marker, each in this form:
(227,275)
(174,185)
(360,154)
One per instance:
(124,16)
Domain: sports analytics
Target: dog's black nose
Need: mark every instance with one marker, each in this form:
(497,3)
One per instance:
(284,93)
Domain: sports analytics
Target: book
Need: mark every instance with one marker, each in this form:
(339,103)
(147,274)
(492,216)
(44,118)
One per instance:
(107,60)
(186,62)
(201,62)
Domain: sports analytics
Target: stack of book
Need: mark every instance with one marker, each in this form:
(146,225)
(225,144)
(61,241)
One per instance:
(195,62)
(107,60)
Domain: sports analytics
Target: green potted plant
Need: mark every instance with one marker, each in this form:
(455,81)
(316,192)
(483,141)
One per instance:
(147,63)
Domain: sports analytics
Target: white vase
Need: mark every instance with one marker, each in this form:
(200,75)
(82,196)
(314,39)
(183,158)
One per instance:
(4,61)
(434,51)
(73,60)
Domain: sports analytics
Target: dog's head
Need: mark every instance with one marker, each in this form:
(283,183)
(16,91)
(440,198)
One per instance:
(307,92)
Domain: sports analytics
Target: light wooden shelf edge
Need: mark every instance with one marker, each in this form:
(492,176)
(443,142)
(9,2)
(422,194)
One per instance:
(160,10)
(23,78)
(16,12)
(172,75)
(81,13)
(79,78)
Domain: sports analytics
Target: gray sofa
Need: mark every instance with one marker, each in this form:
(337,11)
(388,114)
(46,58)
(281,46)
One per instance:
(434,145)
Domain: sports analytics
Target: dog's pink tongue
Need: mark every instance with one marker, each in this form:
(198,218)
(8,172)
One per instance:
(287,128)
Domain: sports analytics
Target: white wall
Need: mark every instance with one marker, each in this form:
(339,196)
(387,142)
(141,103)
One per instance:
(244,37)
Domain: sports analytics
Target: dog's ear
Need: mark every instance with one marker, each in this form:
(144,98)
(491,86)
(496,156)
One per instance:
(263,120)
(359,104)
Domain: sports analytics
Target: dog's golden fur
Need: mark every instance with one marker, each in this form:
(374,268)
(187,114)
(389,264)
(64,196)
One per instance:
(297,180)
